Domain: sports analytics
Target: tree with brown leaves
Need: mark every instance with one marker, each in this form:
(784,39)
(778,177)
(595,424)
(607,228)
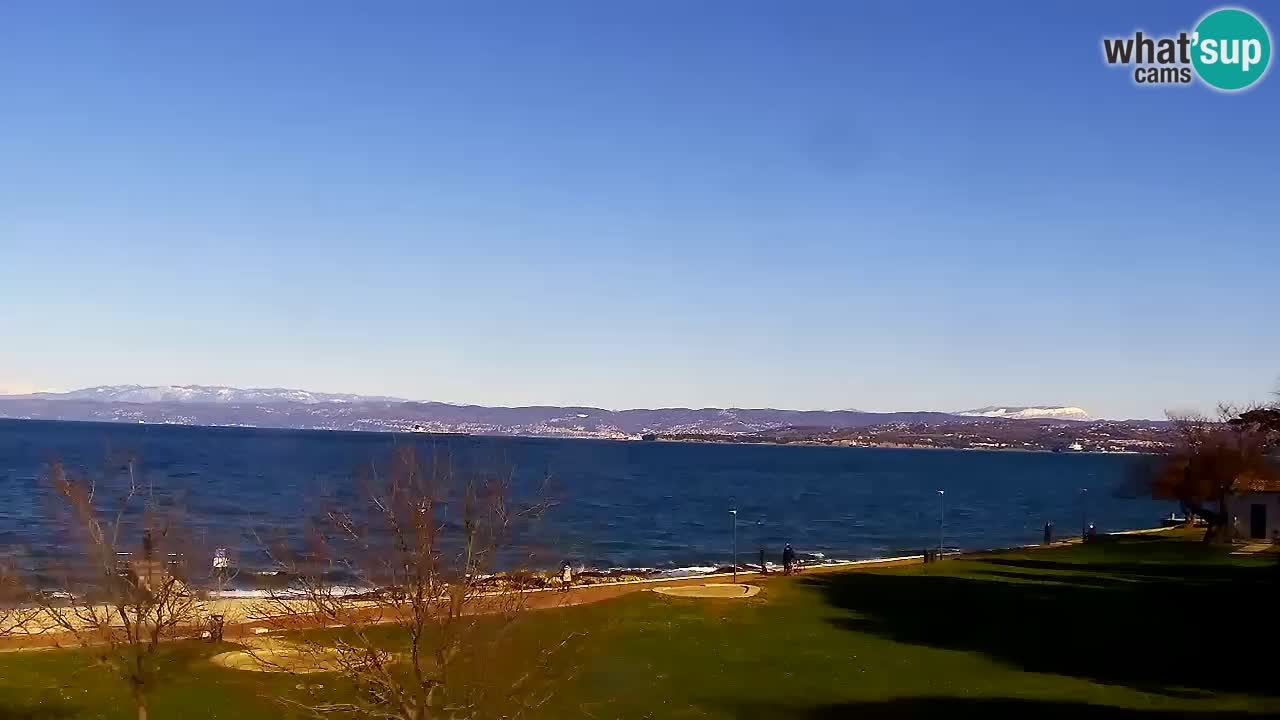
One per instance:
(407,576)
(1213,460)
(1260,419)
(124,591)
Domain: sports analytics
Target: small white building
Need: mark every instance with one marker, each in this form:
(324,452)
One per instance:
(1255,514)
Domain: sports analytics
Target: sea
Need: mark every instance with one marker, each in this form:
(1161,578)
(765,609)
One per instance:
(664,506)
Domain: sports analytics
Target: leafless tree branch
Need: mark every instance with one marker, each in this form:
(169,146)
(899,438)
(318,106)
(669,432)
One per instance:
(406,582)
(124,589)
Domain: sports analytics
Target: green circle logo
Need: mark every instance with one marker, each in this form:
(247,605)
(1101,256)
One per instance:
(1231,49)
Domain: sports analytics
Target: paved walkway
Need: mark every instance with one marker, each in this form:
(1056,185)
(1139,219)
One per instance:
(1255,547)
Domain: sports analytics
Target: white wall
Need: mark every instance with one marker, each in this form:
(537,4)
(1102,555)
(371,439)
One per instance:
(1240,507)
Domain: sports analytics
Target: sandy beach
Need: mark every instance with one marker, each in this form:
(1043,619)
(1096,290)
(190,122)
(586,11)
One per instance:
(249,617)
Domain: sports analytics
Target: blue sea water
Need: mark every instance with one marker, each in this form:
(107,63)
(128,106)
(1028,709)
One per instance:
(619,504)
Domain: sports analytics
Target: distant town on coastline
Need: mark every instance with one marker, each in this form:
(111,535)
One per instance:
(1050,427)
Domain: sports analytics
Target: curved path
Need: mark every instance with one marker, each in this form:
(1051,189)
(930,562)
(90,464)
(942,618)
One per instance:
(239,627)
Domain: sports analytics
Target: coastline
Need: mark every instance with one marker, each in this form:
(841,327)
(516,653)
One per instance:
(728,439)
(243,617)
(845,446)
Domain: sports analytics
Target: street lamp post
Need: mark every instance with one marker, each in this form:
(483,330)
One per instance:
(760,540)
(942,520)
(734,513)
(1084,518)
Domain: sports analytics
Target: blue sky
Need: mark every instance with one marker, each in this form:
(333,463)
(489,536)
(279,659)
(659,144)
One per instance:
(808,205)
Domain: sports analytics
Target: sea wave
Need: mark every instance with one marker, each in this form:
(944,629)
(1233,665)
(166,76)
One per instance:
(286,592)
(680,572)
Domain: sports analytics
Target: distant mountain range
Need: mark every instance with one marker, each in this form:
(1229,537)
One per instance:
(205,394)
(285,408)
(1051,412)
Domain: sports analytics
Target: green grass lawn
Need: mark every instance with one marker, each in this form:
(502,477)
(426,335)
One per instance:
(1127,627)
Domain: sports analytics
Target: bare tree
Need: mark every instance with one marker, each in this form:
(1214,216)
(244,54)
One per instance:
(1213,460)
(124,590)
(16,612)
(422,606)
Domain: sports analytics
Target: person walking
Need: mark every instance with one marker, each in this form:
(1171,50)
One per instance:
(221,568)
(788,559)
(566,576)
(149,571)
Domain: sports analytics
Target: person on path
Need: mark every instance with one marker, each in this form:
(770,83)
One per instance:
(566,576)
(149,571)
(788,559)
(221,567)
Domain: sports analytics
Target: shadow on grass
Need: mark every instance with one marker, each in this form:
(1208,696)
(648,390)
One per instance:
(1103,615)
(41,712)
(942,707)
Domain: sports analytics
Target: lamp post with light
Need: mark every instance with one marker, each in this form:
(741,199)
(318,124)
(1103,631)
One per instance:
(942,520)
(1084,517)
(734,513)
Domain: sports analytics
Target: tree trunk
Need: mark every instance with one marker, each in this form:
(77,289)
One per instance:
(1220,528)
(1218,521)
(140,700)
(1226,532)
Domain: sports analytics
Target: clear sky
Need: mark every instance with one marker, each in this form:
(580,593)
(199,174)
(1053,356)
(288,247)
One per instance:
(807,205)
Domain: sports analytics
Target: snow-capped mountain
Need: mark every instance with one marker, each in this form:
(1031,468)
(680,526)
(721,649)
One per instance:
(288,408)
(1047,412)
(277,407)
(206,394)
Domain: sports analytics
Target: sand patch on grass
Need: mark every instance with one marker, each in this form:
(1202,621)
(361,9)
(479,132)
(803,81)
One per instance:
(711,590)
(278,655)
